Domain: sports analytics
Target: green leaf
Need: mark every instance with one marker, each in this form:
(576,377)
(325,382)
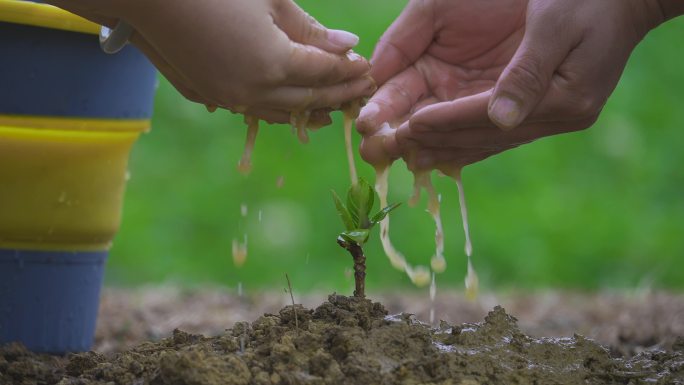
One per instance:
(358,236)
(360,200)
(380,215)
(353,205)
(345,238)
(344,213)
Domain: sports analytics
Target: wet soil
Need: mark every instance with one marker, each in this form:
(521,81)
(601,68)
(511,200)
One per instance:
(628,322)
(351,341)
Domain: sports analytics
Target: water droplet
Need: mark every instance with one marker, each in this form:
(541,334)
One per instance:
(420,276)
(433,288)
(239,252)
(245,164)
(472,282)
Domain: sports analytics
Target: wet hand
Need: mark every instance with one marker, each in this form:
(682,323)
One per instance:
(481,78)
(435,52)
(265,58)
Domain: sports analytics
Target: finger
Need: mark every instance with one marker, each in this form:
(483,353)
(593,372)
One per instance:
(463,124)
(582,84)
(487,137)
(393,101)
(404,41)
(420,157)
(525,80)
(302,28)
(304,98)
(466,112)
(381,148)
(312,66)
(448,160)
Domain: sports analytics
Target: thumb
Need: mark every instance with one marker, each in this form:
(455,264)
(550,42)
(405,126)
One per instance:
(302,28)
(381,148)
(525,80)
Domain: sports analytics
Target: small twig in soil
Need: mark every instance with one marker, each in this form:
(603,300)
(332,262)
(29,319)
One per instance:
(359,266)
(289,286)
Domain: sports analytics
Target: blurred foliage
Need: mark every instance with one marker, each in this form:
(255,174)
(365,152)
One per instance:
(595,209)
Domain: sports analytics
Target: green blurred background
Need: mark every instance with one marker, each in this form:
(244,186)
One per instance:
(597,209)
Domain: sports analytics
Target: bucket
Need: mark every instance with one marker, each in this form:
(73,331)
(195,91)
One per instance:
(69,115)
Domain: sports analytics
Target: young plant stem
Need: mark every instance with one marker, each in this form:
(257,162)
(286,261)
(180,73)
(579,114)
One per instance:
(294,309)
(359,266)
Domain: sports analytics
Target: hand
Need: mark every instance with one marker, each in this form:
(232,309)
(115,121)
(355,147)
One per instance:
(265,58)
(476,78)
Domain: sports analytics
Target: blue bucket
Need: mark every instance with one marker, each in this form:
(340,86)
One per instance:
(54,78)
(49,300)
(52,73)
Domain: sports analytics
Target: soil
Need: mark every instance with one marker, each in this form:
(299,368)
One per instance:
(628,322)
(352,341)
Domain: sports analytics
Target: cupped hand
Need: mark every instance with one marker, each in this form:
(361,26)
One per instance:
(465,80)
(266,58)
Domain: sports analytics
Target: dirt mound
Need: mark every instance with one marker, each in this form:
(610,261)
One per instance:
(352,341)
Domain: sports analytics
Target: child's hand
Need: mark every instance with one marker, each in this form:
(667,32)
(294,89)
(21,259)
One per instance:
(266,58)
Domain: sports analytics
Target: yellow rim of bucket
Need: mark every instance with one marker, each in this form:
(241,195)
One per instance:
(56,246)
(87,138)
(24,133)
(44,15)
(75,124)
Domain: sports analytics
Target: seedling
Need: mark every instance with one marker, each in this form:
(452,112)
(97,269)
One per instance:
(358,223)
(294,308)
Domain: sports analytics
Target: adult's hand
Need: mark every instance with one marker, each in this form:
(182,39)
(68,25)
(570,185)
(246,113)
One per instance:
(266,58)
(478,78)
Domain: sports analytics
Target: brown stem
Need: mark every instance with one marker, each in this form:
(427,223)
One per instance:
(294,309)
(359,266)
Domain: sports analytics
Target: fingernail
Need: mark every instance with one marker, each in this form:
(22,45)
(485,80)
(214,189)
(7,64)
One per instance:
(505,112)
(353,56)
(342,38)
